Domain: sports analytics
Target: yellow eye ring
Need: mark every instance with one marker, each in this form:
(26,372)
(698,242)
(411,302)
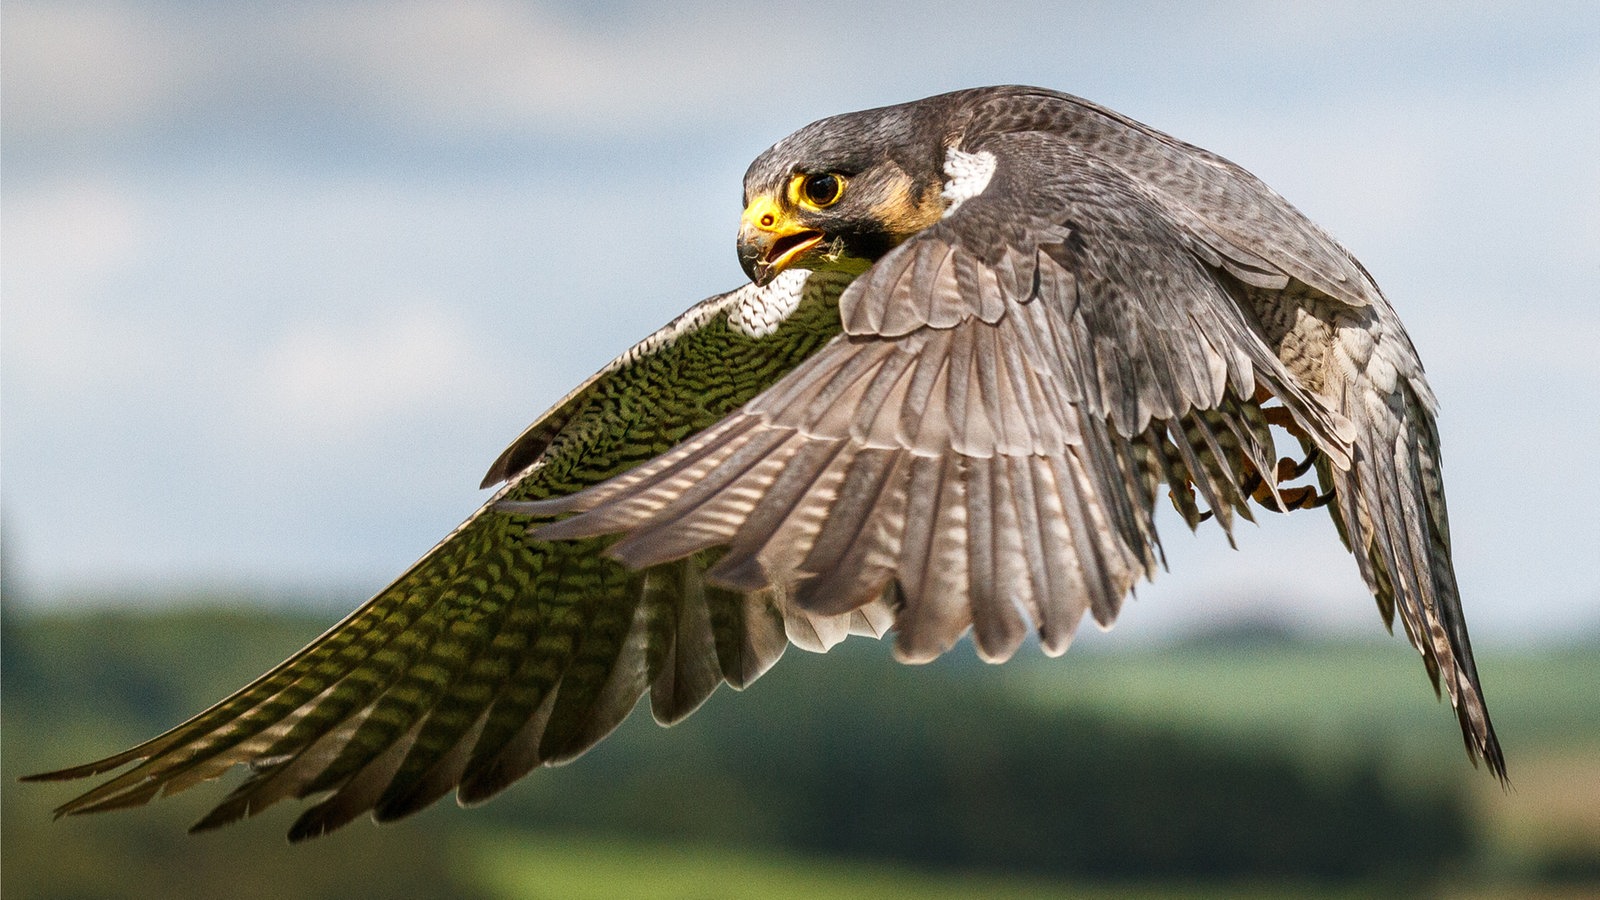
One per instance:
(818,190)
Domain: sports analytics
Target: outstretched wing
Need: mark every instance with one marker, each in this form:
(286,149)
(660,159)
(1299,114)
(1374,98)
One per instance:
(985,445)
(496,653)
(1325,317)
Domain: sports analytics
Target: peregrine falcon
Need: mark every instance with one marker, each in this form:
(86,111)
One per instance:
(987,335)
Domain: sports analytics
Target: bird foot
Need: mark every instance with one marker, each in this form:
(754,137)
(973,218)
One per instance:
(1292,497)
(1285,498)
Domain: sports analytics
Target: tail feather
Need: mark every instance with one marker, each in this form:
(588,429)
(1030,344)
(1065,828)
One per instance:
(1390,509)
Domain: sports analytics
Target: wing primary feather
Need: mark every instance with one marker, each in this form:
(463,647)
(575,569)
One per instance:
(997,579)
(439,779)
(1032,531)
(740,568)
(699,514)
(356,796)
(924,413)
(683,647)
(935,611)
(829,586)
(1063,608)
(1105,594)
(493,769)
(283,780)
(853,558)
(981,560)
(1219,467)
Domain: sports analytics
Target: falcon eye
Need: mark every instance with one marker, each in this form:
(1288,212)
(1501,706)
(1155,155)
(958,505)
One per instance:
(821,190)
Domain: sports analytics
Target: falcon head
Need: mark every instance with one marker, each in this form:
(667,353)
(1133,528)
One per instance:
(840,193)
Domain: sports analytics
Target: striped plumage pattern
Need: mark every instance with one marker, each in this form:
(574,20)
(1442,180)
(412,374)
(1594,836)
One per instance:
(995,452)
(496,653)
(972,436)
(985,445)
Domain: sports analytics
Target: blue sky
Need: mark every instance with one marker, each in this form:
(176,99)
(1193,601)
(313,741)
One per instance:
(280,281)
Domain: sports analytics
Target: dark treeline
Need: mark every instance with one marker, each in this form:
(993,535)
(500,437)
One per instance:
(940,766)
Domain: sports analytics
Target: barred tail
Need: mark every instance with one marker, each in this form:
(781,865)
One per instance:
(1390,510)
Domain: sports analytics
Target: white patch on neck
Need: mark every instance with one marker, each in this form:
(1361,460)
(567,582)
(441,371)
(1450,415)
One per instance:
(758,311)
(967,174)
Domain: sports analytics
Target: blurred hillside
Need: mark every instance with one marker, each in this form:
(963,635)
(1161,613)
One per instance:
(1245,764)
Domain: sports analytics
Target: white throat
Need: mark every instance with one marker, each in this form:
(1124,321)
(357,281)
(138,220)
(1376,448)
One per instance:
(966,175)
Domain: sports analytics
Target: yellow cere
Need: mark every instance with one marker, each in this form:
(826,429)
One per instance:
(764,214)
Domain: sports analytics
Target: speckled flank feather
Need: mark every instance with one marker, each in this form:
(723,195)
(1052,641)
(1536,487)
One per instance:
(972,436)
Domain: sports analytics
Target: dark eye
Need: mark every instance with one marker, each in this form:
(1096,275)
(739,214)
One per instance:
(822,190)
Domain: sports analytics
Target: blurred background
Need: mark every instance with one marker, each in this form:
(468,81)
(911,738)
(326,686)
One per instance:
(279,281)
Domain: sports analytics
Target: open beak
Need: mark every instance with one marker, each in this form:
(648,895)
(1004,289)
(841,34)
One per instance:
(770,241)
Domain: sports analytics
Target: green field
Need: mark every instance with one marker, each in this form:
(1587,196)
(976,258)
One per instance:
(1221,768)
(546,868)
(1329,700)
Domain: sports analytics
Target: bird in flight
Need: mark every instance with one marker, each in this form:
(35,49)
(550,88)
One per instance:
(987,334)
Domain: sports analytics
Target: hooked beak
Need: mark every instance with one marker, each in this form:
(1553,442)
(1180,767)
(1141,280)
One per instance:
(770,241)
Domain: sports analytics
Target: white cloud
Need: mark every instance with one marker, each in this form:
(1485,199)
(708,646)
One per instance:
(324,383)
(504,65)
(85,67)
(66,245)
(475,65)
(263,241)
